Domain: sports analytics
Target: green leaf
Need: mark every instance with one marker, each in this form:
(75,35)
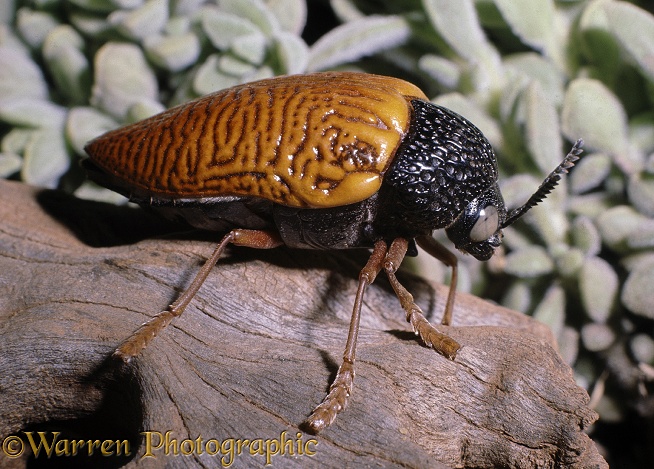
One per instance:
(543,132)
(143,109)
(634,29)
(122,78)
(597,337)
(98,6)
(33,113)
(590,172)
(20,76)
(596,40)
(517,189)
(34,26)
(643,238)
(532,22)
(617,223)
(446,72)
(530,262)
(537,68)
(642,348)
(598,285)
(551,310)
(210,78)
(222,28)
(641,135)
(251,47)
(255,11)
(90,24)
(91,191)
(84,124)
(16,140)
(569,262)
(351,41)
(62,51)
(591,205)
(7,9)
(457,23)
(592,112)
(585,236)
(518,296)
(291,14)
(549,218)
(173,53)
(568,343)
(141,22)
(234,66)
(640,189)
(293,53)
(637,291)
(46,158)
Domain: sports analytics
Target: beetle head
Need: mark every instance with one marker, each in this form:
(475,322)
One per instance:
(478,229)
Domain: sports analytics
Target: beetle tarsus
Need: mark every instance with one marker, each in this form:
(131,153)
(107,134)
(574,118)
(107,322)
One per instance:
(431,336)
(142,336)
(335,401)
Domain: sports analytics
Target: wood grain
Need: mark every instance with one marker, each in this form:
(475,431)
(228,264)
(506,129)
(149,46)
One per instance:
(256,351)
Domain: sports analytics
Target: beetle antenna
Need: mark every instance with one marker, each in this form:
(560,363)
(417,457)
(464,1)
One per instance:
(548,184)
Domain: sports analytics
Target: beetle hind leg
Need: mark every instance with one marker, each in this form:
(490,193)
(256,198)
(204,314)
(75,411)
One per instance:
(143,335)
(341,388)
(431,336)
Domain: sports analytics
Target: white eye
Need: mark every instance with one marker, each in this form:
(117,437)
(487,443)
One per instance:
(486,225)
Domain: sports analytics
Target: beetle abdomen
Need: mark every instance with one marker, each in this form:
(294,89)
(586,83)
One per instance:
(319,140)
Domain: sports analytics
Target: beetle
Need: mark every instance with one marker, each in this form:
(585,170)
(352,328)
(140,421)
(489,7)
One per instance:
(332,160)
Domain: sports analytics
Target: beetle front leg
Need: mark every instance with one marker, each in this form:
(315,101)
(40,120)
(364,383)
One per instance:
(440,252)
(432,337)
(341,388)
(148,331)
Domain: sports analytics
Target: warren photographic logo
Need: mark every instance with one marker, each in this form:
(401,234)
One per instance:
(157,444)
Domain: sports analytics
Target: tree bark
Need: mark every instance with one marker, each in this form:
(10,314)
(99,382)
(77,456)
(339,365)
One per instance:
(253,354)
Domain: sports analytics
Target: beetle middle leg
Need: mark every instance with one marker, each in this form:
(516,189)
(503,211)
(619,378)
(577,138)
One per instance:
(143,335)
(431,337)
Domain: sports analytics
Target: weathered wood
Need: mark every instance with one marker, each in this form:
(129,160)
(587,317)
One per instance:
(255,352)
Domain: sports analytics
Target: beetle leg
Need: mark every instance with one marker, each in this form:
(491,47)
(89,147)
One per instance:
(440,252)
(341,388)
(148,331)
(429,334)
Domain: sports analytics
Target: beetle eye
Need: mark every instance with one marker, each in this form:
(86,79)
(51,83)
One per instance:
(486,225)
